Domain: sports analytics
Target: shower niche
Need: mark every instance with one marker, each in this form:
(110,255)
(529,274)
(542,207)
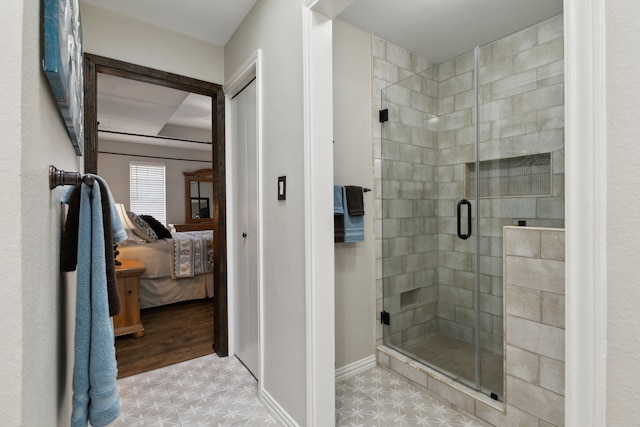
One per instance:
(474,144)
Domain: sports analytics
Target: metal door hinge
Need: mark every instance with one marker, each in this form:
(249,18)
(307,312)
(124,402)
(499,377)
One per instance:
(384,115)
(385,318)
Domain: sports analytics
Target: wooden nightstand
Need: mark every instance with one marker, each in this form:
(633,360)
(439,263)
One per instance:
(128,277)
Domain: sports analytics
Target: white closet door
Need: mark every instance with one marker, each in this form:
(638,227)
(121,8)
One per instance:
(245,141)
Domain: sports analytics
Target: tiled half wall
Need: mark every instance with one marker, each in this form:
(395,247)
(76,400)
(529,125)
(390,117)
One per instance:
(534,292)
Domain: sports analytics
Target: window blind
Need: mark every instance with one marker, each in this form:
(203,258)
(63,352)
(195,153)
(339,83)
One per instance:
(147,190)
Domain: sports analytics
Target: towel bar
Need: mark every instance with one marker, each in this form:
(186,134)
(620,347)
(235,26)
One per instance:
(58,177)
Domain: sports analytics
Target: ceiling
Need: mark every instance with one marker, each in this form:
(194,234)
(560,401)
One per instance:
(210,20)
(437,30)
(129,110)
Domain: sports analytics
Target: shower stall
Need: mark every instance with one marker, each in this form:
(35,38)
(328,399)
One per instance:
(468,146)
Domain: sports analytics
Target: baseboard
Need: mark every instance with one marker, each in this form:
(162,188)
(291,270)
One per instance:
(355,368)
(281,416)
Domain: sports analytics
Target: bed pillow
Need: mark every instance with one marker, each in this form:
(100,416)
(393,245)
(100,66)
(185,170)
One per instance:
(142,229)
(157,227)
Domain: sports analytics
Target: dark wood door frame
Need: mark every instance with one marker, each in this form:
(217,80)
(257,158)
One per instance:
(94,64)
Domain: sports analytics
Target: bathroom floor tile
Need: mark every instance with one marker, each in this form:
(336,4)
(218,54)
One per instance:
(214,391)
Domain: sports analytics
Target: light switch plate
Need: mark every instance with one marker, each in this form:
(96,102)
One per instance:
(282,188)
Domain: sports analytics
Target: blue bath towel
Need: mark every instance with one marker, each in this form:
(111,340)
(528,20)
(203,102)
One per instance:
(353,225)
(95,396)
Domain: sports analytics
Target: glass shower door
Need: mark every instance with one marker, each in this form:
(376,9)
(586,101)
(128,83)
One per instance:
(429,241)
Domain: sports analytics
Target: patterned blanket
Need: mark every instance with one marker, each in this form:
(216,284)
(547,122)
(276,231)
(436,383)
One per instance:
(192,253)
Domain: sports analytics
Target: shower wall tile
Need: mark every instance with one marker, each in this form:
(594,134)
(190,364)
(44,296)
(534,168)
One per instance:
(552,245)
(514,84)
(540,55)
(445,105)
(464,63)
(544,404)
(539,99)
(456,120)
(385,71)
(524,303)
(535,321)
(458,84)
(398,56)
(552,375)
(542,274)
(446,70)
(523,364)
(399,95)
(422,66)
(551,29)
(523,243)
(553,309)
(378,48)
(550,208)
(495,70)
(546,74)
(507,47)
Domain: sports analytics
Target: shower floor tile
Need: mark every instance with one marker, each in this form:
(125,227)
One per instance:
(457,358)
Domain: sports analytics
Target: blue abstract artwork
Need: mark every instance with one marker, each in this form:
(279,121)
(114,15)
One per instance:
(62,63)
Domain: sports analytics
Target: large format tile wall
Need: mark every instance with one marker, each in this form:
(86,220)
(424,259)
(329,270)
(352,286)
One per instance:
(521,113)
(534,283)
(409,227)
(407,236)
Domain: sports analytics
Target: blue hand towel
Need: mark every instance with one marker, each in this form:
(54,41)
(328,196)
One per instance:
(119,233)
(338,208)
(95,396)
(353,225)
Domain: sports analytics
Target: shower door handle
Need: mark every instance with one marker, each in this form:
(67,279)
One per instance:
(468,234)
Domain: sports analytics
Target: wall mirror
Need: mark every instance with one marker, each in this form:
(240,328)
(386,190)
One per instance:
(198,190)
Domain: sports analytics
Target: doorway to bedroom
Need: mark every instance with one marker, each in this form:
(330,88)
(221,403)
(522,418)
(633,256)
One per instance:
(137,115)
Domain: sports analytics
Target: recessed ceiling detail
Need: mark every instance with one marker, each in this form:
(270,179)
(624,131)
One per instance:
(129,110)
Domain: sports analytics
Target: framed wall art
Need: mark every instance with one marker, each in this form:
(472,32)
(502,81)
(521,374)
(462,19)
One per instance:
(62,63)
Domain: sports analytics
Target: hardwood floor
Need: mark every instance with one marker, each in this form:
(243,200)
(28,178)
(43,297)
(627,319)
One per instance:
(173,334)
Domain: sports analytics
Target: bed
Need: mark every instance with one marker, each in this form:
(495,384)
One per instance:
(179,268)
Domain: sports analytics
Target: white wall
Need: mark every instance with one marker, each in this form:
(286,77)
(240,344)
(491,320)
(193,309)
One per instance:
(623,192)
(275,26)
(119,37)
(355,282)
(38,307)
(37,323)
(115,169)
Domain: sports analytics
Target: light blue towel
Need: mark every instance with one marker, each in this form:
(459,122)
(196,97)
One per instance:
(353,225)
(119,233)
(338,208)
(95,396)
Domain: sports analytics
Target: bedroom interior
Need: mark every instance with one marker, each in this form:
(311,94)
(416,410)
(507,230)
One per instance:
(140,117)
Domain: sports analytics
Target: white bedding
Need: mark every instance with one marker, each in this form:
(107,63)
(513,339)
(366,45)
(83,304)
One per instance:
(156,285)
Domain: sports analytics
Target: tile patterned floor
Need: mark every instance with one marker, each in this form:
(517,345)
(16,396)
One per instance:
(208,391)
(379,398)
(214,391)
